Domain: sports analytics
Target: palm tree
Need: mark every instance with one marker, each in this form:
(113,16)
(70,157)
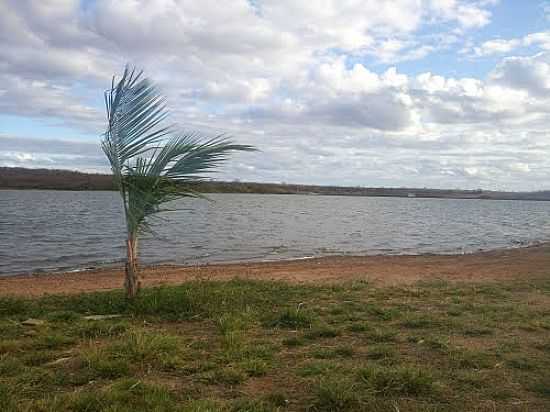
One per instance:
(151,164)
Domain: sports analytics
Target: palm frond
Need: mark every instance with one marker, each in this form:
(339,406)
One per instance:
(135,111)
(151,168)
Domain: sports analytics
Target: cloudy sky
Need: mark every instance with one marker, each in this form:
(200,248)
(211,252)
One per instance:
(436,93)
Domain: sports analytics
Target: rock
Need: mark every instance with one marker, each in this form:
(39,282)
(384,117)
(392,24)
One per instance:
(101,317)
(58,361)
(33,322)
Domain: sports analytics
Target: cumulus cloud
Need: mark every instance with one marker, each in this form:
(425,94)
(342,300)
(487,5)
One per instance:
(307,82)
(531,74)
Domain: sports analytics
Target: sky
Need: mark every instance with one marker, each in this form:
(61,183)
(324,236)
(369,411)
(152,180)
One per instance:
(416,93)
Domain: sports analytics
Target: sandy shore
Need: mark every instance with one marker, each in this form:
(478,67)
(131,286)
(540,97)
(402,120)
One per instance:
(523,263)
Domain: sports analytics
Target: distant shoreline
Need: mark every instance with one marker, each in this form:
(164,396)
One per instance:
(521,263)
(46,179)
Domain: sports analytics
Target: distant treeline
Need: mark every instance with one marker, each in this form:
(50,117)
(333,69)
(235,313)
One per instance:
(21,178)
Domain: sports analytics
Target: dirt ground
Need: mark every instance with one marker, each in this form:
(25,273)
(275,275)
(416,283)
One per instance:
(524,263)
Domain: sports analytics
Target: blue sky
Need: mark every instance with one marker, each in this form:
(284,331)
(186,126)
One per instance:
(438,93)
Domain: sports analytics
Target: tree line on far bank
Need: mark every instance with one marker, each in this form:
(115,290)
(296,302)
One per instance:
(55,179)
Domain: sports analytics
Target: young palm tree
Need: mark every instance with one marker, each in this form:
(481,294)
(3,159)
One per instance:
(151,165)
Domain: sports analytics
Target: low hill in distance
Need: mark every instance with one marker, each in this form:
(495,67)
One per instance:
(22,178)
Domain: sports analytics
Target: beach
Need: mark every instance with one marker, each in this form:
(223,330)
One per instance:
(382,270)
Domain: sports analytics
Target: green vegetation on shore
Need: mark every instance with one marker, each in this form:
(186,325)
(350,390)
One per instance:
(270,346)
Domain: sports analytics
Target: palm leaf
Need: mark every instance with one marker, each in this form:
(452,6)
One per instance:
(150,167)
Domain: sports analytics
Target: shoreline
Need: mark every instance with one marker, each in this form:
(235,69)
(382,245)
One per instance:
(93,267)
(528,262)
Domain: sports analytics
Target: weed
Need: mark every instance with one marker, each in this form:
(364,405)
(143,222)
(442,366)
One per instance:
(278,399)
(316,368)
(359,327)
(397,381)
(202,405)
(383,313)
(10,366)
(249,405)
(474,331)
(224,376)
(542,387)
(322,331)
(7,401)
(419,322)
(293,341)
(291,319)
(102,365)
(52,342)
(336,395)
(33,381)
(99,329)
(382,335)
(62,316)
(144,346)
(471,359)
(523,363)
(381,352)
(331,353)
(255,367)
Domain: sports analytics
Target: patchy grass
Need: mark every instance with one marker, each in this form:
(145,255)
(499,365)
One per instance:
(397,381)
(271,346)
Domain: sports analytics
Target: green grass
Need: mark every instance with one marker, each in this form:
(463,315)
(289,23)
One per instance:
(397,381)
(271,346)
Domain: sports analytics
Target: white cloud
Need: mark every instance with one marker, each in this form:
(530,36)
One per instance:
(531,74)
(539,40)
(307,82)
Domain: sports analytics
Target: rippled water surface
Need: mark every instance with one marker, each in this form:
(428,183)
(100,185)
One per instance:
(53,230)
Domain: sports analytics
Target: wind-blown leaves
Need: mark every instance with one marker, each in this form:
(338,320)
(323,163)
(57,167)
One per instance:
(150,167)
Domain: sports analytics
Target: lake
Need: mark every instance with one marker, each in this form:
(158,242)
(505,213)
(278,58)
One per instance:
(60,230)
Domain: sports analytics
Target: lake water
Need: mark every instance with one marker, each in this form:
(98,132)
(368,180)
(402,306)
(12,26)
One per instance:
(57,230)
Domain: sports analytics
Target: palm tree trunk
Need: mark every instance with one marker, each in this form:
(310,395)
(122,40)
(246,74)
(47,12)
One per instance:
(132,282)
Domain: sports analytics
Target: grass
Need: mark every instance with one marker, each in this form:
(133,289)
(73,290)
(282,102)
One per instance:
(271,346)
